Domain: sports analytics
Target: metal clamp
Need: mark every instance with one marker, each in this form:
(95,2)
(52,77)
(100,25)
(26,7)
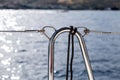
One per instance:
(45,32)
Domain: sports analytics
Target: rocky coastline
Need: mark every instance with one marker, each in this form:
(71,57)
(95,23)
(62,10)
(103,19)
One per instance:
(56,5)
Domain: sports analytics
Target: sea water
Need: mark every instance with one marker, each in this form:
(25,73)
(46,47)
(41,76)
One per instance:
(24,56)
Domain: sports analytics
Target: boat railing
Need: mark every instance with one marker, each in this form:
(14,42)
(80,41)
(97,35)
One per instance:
(52,40)
(82,47)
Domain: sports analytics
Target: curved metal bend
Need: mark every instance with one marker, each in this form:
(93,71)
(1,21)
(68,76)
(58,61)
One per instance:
(83,49)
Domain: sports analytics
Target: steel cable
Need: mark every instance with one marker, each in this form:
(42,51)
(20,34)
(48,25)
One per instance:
(87,31)
(30,31)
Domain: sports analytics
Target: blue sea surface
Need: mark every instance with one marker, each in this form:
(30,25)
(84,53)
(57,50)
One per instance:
(24,56)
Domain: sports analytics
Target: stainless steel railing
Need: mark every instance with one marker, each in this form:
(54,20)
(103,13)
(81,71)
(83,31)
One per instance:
(82,47)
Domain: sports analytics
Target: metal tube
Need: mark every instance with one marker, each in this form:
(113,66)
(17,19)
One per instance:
(51,53)
(85,56)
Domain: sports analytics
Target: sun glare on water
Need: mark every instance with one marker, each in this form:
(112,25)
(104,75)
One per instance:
(8,71)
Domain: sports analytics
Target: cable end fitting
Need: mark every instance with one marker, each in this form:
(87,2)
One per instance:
(86,31)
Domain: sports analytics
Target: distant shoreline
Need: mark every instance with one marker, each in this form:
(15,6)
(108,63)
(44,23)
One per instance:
(56,9)
(59,6)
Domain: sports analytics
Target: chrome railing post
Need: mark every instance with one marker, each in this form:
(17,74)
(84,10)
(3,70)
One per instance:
(51,53)
(85,56)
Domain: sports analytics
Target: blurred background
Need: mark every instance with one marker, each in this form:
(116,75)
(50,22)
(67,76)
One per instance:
(61,4)
(24,56)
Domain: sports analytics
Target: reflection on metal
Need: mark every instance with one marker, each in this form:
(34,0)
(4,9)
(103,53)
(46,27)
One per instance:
(83,49)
